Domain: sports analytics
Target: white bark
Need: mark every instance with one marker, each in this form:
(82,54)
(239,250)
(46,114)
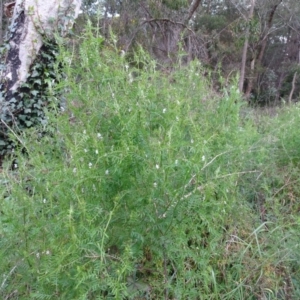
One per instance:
(35,20)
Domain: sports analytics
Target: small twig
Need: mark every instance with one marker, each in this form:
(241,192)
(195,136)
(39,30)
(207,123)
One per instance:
(11,271)
(14,134)
(192,9)
(211,161)
(200,187)
(8,275)
(284,186)
(96,256)
(237,173)
(239,10)
(190,181)
(169,21)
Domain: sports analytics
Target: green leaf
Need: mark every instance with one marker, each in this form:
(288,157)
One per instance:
(34,93)
(35,74)
(22,117)
(38,81)
(28,123)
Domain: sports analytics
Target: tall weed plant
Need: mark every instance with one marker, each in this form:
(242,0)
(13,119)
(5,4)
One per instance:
(138,191)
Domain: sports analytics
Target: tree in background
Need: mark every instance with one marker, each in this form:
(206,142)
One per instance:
(265,19)
(224,35)
(163,28)
(248,20)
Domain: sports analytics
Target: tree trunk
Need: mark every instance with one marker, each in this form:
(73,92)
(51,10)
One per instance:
(294,78)
(245,48)
(1,22)
(29,62)
(33,21)
(192,9)
(293,88)
(257,61)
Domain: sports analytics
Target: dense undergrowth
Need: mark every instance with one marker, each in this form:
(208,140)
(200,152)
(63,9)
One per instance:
(151,186)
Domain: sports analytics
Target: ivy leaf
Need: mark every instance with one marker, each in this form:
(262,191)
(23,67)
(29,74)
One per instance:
(37,105)
(13,100)
(22,117)
(28,123)
(34,93)
(38,81)
(35,74)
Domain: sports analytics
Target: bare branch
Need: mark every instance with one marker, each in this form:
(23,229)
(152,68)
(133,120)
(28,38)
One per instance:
(169,21)
(195,4)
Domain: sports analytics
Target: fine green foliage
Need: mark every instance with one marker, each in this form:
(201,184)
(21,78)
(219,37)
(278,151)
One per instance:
(150,186)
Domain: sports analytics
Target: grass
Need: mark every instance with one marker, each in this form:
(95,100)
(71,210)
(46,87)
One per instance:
(151,186)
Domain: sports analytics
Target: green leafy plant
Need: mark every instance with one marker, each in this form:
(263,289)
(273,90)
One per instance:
(143,190)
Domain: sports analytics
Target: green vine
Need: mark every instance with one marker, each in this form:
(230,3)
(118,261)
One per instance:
(26,107)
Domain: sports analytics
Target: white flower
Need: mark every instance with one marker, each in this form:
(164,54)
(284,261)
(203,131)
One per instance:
(130,78)
(74,170)
(106,172)
(157,166)
(38,255)
(122,53)
(176,162)
(164,110)
(203,158)
(155,184)
(192,141)
(47,252)
(162,216)
(90,164)
(84,131)
(99,136)
(96,151)
(85,150)
(44,200)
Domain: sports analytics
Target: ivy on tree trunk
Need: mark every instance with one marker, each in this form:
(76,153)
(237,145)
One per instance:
(28,60)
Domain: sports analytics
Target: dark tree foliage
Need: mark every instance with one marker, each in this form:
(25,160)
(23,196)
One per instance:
(213,31)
